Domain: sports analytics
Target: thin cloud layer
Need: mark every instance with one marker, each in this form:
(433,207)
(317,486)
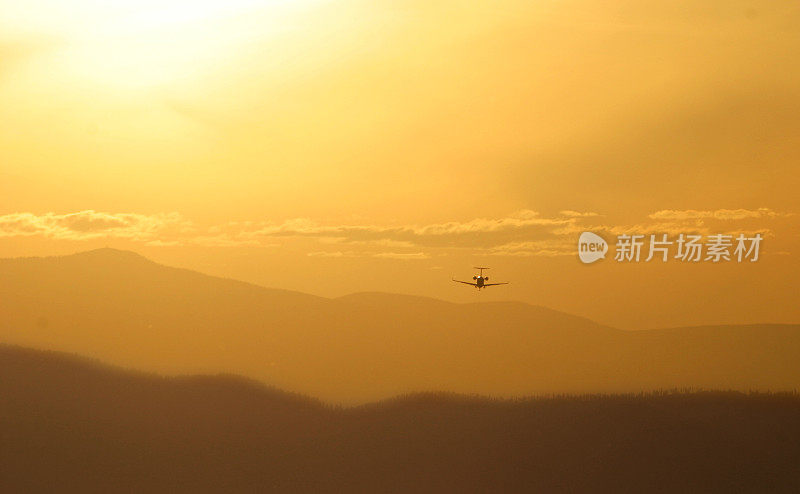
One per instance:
(719,214)
(89,224)
(479,232)
(402,255)
(524,233)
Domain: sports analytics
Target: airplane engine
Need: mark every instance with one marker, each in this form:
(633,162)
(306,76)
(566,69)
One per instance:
(487,278)
(474,277)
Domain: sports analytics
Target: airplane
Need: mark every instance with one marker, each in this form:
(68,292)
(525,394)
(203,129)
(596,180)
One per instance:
(480,280)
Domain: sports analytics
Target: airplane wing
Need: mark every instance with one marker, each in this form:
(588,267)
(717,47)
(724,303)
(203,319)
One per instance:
(492,284)
(466,282)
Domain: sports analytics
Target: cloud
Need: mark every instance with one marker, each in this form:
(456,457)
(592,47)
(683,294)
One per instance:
(163,243)
(524,233)
(378,255)
(544,248)
(402,256)
(577,214)
(332,254)
(668,227)
(158,230)
(719,214)
(89,224)
(479,232)
(388,243)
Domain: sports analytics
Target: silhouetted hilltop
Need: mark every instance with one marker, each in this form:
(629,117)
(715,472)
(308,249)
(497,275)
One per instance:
(72,425)
(125,272)
(125,309)
(109,255)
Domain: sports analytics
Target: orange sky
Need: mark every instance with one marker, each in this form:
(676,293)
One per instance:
(334,147)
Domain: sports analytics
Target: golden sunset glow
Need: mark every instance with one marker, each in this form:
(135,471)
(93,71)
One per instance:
(332,147)
(399,246)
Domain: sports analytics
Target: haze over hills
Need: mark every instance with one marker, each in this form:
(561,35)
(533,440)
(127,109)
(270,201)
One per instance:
(72,425)
(124,309)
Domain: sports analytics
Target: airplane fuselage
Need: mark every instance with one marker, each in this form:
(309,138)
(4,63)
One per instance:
(480,281)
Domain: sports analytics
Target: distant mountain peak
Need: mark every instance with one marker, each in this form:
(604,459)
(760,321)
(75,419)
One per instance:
(110,253)
(118,306)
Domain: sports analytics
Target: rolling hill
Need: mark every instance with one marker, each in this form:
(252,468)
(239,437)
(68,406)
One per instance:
(127,310)
(69,424)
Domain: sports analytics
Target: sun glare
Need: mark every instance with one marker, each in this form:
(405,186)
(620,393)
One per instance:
(146,43)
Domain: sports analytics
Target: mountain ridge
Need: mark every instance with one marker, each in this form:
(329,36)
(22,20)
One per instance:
(104,254)
(72,425)
(129,311)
